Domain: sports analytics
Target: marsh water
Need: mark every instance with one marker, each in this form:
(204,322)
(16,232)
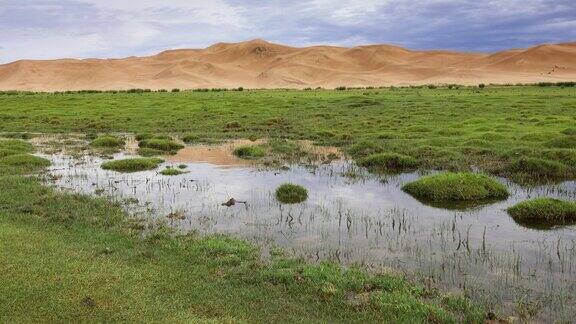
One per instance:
(353,217)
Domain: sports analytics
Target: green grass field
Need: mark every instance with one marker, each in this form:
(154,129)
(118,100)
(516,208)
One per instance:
(66,257)
(525,133)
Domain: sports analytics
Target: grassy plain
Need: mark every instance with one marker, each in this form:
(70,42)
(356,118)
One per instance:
(66,257)
(525,133)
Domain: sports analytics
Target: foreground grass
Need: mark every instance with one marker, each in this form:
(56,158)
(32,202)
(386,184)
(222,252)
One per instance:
(450,129)
(66,257)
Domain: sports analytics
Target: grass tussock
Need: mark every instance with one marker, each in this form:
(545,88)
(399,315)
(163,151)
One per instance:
(108,141)
(161,144)
(172,172)
(537,169)
(568,142)
(250,152)
(132,165)
(289,193)
(16,146)
(544,211)
(25,162)
(447,187)
(390,162)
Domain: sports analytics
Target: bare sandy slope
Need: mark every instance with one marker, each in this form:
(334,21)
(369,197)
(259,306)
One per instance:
(259,64)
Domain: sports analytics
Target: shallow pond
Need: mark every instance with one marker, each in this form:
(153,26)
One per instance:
(354,217)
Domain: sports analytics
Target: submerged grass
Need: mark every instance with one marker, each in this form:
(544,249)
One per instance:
(544,211)
(289,193)
(447,187)
(132,165)
(172,172)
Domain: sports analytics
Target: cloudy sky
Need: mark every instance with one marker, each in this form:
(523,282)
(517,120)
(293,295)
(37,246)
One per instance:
(43,29)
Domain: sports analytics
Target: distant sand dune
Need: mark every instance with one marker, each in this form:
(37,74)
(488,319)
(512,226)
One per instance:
(259,64)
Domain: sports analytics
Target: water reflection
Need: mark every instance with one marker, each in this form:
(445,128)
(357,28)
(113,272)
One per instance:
(356,220)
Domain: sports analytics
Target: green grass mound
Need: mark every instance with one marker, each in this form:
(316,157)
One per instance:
(284,147)
(191,138)
(289,193)
(544,211)
(166,145)
(25,162)
(108,141)
(250,152)
(536,169)
(563,142)
(148,152)
(447,187)
(569,131)
(16,145)
(171,172)
(389,162)
(132,165)
(7,152)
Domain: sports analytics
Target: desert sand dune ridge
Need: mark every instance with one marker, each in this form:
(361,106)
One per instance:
(260,64)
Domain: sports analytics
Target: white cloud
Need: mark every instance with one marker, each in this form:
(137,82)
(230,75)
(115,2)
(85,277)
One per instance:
(116,28)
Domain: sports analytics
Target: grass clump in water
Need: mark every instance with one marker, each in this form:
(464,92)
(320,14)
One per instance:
(171,172)
(289,193)
(250,152)
(388,162)
(447,187)
(537,170)
(544,211)
(161,144)
(132,165)
(108,141)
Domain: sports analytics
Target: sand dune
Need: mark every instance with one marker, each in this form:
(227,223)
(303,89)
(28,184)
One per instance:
(259,64)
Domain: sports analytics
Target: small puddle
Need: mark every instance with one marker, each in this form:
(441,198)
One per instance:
(220,155)
(364,219)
